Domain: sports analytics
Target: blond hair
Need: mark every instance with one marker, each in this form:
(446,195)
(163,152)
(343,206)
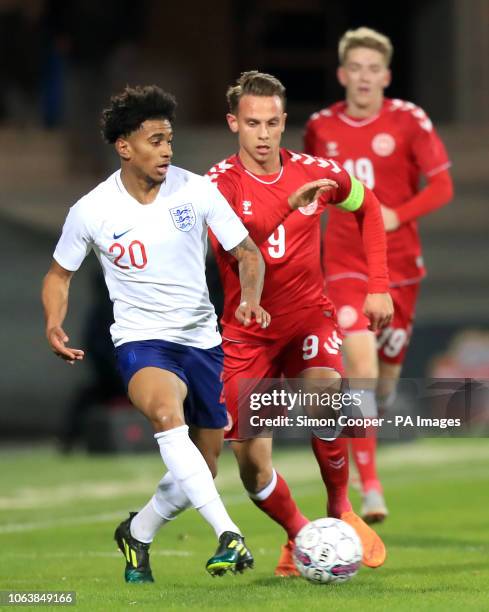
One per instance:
(254,83)
(365,37)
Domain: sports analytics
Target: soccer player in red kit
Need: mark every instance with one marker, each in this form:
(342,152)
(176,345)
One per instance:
(388,144)
(268,188)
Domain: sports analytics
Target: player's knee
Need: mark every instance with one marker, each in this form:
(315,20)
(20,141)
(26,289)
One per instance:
(363,370)
(165,416)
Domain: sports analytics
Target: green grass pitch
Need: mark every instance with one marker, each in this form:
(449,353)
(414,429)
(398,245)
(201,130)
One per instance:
(57,517)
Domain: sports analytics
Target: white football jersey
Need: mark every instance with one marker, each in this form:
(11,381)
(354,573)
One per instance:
(153,255)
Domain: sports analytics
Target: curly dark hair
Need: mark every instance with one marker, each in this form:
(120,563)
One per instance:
(129,109)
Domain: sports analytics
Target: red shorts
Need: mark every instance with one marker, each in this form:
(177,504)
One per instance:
(348,296)
(309,338)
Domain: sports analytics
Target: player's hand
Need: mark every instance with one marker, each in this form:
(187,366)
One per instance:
(309,192)
(247,311)
(57,341)
(390,218)
(378,307)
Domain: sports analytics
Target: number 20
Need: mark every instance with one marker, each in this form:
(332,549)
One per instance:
(132,255)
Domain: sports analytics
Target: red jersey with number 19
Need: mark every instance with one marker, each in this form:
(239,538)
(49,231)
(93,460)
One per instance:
(387,152)
(290,240)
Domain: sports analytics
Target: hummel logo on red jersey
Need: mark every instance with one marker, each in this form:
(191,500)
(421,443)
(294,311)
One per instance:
(332,149)
(247,207)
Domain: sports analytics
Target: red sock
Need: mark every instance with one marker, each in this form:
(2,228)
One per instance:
(280,507)
(364,454)
(332,458)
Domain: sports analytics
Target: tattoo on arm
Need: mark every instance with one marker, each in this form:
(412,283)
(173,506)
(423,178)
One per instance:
(251,268)
(245,245)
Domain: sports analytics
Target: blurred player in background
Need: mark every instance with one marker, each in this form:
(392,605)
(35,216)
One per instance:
(388,145)
(147,224)
(303,340)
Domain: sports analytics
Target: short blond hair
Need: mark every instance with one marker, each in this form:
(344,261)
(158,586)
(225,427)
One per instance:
(365,37)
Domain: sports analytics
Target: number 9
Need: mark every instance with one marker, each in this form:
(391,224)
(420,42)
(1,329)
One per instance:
(277,242)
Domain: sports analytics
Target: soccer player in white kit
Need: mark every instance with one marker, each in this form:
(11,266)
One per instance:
(147,224)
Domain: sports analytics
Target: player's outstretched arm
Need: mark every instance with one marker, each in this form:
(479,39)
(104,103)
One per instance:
(55,291)
(251,274)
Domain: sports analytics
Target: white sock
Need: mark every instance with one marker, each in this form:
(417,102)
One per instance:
(266,491)
(190,471)
(169,499)
(165,505)
(217,516)
(146,523)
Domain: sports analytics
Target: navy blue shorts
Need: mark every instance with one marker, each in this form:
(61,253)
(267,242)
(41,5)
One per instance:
(200,370)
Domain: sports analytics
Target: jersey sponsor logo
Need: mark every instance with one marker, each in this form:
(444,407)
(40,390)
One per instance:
(383,144)
(310,209)
(247,207)
(117,236)
(183,217)
(347,316)
(332,149)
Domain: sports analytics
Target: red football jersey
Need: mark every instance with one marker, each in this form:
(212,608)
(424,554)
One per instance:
(288,240)
(389,153)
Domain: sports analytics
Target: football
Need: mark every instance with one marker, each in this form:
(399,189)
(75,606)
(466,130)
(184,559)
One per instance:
(327,550)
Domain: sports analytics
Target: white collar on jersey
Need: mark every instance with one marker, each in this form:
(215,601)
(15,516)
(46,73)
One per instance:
(355,123)
(277,178)
(165,188)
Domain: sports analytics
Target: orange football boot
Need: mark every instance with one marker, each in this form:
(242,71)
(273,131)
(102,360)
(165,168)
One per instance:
(374,552)
(286,566)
